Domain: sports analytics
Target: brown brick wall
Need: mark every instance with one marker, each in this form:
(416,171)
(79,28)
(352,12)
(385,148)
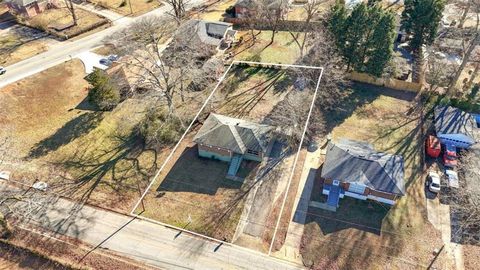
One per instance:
(220,151)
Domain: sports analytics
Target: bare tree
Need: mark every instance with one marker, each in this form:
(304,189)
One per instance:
(469,46)
(161,63)
(273,13)
(311,8)
(71,9)
(465,201)
(179,8)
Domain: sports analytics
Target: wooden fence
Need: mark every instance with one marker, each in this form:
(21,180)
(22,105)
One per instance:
(386,82)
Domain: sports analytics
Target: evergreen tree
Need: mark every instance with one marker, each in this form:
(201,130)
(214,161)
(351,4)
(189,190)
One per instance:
(420,18)
(382,45)
(104,94)
(364,37)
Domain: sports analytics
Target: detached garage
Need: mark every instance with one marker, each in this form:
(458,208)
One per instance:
(456,127)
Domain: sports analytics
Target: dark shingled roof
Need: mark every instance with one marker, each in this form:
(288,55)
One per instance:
(352,161)
(451,120)
(233,134)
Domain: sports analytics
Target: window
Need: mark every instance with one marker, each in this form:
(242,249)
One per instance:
(356,188)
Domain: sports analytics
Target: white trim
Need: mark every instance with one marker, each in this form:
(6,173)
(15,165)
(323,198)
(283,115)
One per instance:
(380,199)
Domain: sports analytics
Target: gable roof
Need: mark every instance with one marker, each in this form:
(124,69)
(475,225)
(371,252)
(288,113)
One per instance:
(233,134)
(357,162)
(451,120)
(23,3)
(210,33)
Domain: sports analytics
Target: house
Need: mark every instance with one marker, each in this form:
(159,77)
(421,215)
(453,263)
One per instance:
(356,170)
(30,8)
(246,8)
(232,140)
(218,34)
(456,127)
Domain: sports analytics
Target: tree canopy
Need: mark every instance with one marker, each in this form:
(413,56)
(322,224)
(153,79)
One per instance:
(104,93)
(364,36)
(420,18)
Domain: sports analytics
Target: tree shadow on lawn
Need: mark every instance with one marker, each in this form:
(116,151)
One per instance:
(70,131)
(192,173)
(118,169)
(242,103)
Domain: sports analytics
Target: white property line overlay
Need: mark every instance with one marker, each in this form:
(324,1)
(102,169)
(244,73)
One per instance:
(188,129)
(295,163)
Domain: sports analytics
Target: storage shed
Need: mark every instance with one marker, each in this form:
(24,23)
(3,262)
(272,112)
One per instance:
(456,127)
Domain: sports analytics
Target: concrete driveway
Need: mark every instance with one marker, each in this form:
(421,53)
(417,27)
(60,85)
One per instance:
(90,61)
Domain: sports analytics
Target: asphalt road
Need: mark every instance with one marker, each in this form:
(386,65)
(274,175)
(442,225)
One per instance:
(67,50)
(141,240)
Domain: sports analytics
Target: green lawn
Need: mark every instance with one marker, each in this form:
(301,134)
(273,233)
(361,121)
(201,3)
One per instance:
(283,50)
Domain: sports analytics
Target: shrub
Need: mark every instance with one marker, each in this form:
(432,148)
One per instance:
(159,128)
(104,94)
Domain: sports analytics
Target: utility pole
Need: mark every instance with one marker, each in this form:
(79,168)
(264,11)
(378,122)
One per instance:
(130,4)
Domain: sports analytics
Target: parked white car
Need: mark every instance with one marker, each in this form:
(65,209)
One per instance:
(433,182)
(2,70)
(452,178)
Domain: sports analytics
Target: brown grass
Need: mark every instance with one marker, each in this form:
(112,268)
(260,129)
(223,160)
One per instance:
(401,235)
(20,50)
(139,7)
(61,17)
(28,250)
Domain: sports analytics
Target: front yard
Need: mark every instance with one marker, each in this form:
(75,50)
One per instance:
(19,42)
(58,21)
(364,234)
(87,155)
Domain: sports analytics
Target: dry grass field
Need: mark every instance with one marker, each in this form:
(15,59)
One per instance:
(60,20)
(138,7)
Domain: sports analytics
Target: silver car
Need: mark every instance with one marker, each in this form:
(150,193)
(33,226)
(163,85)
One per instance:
(2,70)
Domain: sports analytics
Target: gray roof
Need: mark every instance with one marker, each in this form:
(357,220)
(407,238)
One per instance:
(233,134)
(23,2)
(451,120)
(210,33)
(353,161)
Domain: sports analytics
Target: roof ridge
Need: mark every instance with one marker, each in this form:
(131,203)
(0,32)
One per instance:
(237,137)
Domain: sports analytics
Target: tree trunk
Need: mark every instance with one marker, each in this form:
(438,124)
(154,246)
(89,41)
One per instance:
(71,8)
(418,69)
(464,15)
(465,59)
(474,75)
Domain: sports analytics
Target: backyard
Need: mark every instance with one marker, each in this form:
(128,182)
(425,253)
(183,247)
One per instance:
(367,234)
(283,49)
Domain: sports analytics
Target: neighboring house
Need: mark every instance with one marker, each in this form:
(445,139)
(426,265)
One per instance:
(232,140)
(30,8)
(247,8)
(218,34)
(456,127)
(123,77)
(355,169)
